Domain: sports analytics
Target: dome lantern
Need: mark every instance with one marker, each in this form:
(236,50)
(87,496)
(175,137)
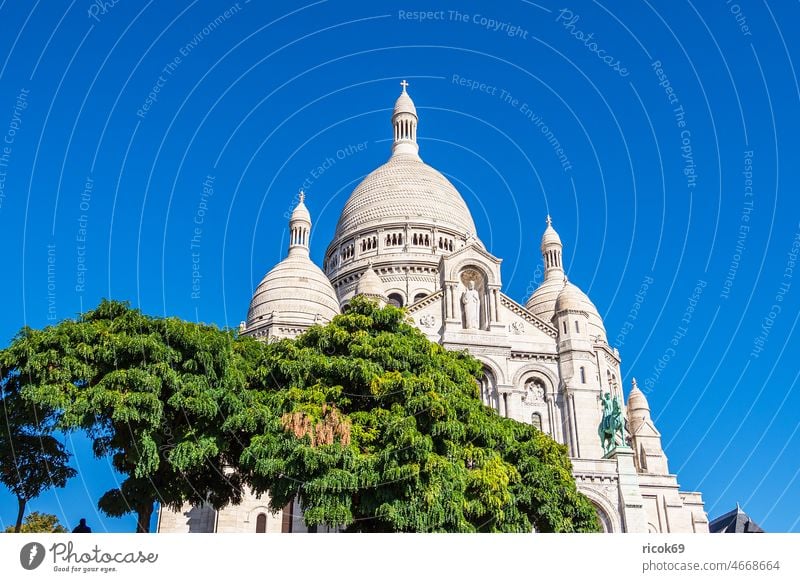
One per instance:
(299,227)
(551,252)
(404,122)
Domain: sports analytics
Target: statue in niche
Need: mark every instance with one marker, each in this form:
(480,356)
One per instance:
(472,307)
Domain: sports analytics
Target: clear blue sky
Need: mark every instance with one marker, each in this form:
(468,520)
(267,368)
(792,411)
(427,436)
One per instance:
(677,123)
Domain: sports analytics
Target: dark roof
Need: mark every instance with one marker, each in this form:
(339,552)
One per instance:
(736,521)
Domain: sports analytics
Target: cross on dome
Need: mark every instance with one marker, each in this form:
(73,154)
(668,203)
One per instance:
(302,195)
(549,221)
(404,85)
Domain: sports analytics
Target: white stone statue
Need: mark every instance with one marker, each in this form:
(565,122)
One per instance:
(472,307)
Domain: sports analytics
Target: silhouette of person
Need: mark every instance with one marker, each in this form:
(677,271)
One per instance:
(82,527)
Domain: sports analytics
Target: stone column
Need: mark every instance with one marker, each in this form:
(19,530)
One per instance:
(514,405)
(551,417)
(572,436)
(501,397)
(453,303)
(634,517)
(448,301)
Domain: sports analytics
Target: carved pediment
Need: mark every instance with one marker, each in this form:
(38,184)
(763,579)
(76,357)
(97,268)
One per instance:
(470,248)
(525,316)
(425,302)
(473,257)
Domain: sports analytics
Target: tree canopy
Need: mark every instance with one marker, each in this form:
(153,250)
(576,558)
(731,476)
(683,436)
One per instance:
(32,460)
(36,522)
(364,420)
(148,392)
(375,428)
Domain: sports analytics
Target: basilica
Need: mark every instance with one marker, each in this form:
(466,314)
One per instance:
(406,237)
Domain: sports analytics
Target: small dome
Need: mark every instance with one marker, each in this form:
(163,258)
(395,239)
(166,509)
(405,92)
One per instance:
(404,104)
(542,303)
(573,299)
(370,285)
(297,290)
(550,236)
(300,211)
(637,401)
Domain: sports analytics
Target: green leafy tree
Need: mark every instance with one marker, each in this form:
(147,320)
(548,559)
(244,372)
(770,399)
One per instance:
(32,460)
(149,392)
(36,522)
(375,428)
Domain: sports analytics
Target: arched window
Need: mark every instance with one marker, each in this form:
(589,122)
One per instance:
(427,240)
(420,297)
(583,375)
(286,521)
(261,523)
(565,327)
(577,327)
(487,389)
(396,299)
(536,420)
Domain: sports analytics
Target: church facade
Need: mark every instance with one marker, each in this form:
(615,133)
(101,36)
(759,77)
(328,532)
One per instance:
(406,237)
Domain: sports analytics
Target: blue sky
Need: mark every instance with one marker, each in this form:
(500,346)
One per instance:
(659,136)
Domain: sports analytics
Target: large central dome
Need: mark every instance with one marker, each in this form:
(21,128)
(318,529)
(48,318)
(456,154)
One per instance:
(405,188)
(400,220)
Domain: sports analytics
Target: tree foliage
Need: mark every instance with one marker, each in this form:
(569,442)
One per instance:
(36,522)
(148,391)
(369,424)
(375,428)
(32,460)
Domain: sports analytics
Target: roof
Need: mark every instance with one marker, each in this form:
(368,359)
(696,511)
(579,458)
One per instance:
(736,521)
(405,188)
(404,104)
(370,284)
(296,289)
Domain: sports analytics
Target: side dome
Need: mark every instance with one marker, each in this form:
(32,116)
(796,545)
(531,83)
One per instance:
(297,292)
(405,188)
(542,303)
(571,298)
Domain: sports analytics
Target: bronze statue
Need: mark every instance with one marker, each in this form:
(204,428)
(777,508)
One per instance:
(612,425)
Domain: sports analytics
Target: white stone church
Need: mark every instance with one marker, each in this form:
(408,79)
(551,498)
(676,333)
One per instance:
(406,237)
